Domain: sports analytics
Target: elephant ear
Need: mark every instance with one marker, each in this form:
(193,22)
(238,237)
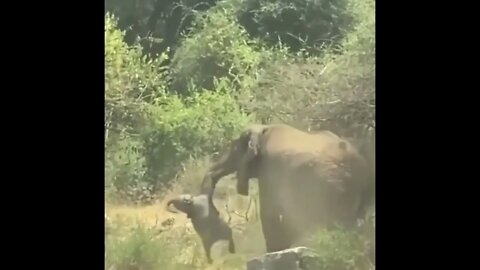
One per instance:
(200,207)
(250,141)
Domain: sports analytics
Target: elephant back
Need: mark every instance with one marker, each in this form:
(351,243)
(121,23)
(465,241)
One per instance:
(279,139)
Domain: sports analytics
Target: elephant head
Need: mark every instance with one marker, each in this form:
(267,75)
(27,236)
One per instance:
(193,206)
(205,220)
(241,158)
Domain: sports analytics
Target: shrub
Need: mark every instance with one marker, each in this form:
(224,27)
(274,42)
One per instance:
(335,92)
(149,132)
(157,25)
(180,128)
(225,76)
(131,81)
(339,250)
(176,249)
(139,250)
(132,16)
(299,24)
(350,78)
(125,169)
(216,48)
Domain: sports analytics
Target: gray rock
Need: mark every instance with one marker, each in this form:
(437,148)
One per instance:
(289,259)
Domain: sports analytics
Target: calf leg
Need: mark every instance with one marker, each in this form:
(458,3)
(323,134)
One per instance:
(207,245)
(231,244)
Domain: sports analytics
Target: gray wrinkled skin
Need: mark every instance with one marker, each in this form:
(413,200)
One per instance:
(205,220)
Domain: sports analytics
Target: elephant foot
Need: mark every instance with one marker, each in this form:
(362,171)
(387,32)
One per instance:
(278,243)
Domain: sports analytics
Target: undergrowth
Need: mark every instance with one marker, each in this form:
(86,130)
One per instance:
(219,67)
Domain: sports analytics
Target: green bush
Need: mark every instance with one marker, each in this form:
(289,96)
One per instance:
(157,25)
(227,79)
(139,250)
(335,92)
(216,48)
(299,24)
(340,250)
(180,128)
(125,169)
(350,78)
(177,248)
(131,82)
(132,16)
(149,132)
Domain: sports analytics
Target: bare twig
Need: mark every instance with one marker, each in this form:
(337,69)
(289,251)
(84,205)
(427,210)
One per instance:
(333,102)
(228,212)
(108,124)
(245,215)
(240,215)
(248,207)
(323,69)
(256,209)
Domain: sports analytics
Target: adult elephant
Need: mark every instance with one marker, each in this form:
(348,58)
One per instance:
(305,179)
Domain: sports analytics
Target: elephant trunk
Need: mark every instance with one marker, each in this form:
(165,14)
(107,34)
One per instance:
(238,159)
(169,209)
(218,170)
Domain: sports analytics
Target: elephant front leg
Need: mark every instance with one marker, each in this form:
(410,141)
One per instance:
(273,230)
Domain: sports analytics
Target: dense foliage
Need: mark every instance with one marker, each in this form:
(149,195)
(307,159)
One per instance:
(183,77)
(161,110)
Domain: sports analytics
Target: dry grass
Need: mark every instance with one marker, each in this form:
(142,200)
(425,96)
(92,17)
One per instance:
(179,247)
(150,215)
(189,254)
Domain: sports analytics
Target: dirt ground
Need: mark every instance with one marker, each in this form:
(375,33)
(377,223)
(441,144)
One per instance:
(248,236)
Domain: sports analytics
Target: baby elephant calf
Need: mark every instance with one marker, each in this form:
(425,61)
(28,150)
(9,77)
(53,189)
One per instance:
(205,219)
